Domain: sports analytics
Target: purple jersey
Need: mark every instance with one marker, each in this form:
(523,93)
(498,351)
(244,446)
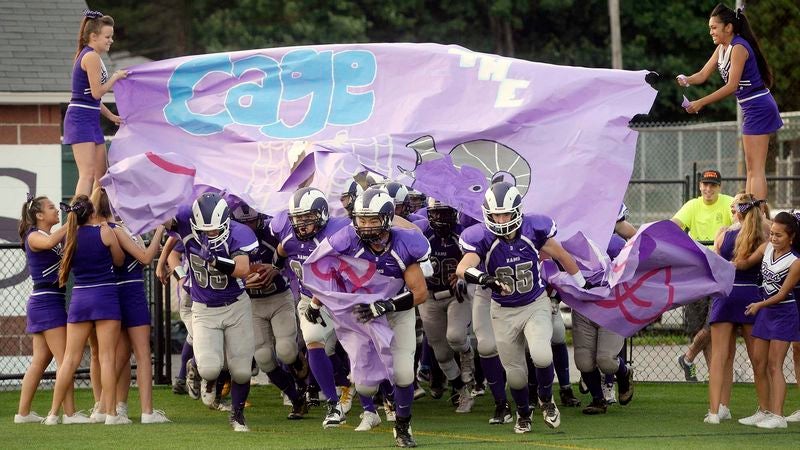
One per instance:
(747,276)
(297,250)
(265,254)
(515,262)
(405,247)
(43,265)
(131,269)
(92,263)
(445,255)
(209,285)
(81,91)
(750,81)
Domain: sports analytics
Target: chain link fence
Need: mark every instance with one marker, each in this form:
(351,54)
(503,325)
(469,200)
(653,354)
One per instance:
(668,159)
(16,346)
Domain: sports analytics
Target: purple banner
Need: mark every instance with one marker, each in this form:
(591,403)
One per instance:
(660,268)
(146,189)
(443,119)
(340,283)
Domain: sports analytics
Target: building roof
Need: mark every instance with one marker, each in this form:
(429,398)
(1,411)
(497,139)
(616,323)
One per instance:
(37,45)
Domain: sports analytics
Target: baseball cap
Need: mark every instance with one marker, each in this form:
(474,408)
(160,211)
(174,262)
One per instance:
(711,176)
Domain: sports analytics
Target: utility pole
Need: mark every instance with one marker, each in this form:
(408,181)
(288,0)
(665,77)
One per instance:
(616,36)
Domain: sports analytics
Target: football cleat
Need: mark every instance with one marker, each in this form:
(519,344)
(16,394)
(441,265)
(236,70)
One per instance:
(625,387)
(419,393)
(568,398)
(523,424)
(424,375)
(32,417)
(598,406)
(179,386)
(299,408)
(551,414)
(388,409)
(465,400)
(157,416)
(502,414)
(369,420)
(345,394)
(479,390)
(237,421)
(312,397)
(608,393)
(78,417)
(582,388)
(299,368)
(402,433)
(193,379)
(335,416)
(208,393)
(467,366)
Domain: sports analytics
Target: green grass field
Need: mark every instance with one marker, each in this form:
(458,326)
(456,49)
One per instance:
(661,416)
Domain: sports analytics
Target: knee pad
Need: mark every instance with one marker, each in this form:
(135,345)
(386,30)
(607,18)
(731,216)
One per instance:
(487,348)
(286,350)
(458,341)
(265,359)
(517,378)
(542,356)
(209,373)
(404,376)
(584,361)
(367,391)
(608,364)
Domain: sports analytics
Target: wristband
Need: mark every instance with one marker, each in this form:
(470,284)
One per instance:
(579,280)
(224,265)
(473,275)
(403,302)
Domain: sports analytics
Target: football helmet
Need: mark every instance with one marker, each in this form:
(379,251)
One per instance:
(349,196)
(374,202)
(308,206)
(210,213)
(502,198)
(416,199)
(399,193)
(442,218)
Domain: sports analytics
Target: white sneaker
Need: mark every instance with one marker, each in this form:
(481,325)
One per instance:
(345,394)
(712,419)
(551,414)
(51,419)
(157,416)
(32,417)
(793,417)
(78,417)
(755,418)
(724,412)
(122,409)
(465,400)
(118,420)
(286,400)
(772,421)
(369,420)
(96,416)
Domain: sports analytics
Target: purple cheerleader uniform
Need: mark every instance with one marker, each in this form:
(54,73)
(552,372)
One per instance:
(132,296)
(94,296)
(745,289)
(760,113)
(82,121)
(777,322)
(47,304)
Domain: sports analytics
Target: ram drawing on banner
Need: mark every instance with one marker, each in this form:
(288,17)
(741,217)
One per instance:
(440,118)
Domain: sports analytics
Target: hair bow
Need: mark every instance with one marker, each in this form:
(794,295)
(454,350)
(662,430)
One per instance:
(747,206)
(796,215)
(739,12)
(65,207)
(92,14)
